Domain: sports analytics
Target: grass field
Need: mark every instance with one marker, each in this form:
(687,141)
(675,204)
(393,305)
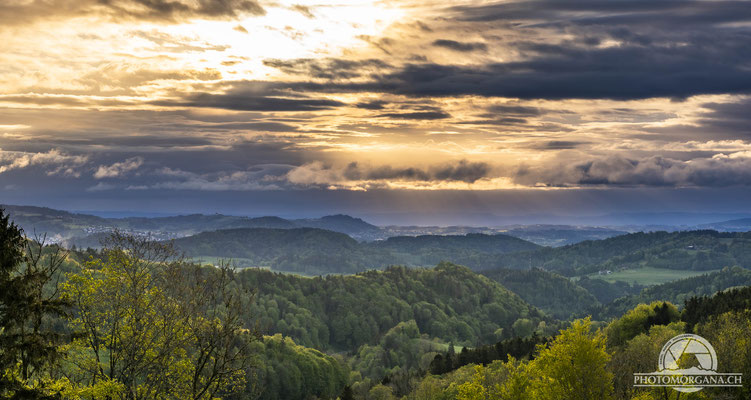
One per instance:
(648,275)
(237,262)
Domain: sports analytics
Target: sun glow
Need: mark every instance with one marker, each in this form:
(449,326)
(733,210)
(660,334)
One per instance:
(288,31)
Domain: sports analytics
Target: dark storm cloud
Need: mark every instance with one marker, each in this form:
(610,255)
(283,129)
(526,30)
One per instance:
(720,170)
(254,96)
(497,121)
(417,115)
(573,50)
(253,126)
(558,145)
(462,171)
(609,12)
(355,172)
(505,109)
(318,174)
(328,68)
(719,121)
(460,46)
(734,118)
(621,74)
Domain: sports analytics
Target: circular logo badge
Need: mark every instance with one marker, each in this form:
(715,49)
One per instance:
(687,354)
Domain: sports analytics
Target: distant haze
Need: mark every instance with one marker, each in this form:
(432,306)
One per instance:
(476,208)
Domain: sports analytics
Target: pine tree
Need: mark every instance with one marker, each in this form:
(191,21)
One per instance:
(28,345)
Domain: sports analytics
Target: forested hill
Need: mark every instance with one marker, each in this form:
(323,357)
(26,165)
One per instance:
(315,251)
(552,293)
(303,250)
(690,250)
(472,242)
(475,250)
(75,228)
(447,302)
(682,290)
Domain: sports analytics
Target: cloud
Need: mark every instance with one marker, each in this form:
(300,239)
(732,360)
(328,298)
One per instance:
(254,96)
(329,68)
(419,115)
(719,170)
(172,11)
(620,74)
(372,104)
(101,187)
(357,176)
(54,162)
(460,46)
(260,177)
(118,169)
(304,10)
(562,50)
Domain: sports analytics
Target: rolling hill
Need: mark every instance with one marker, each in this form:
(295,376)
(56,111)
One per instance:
(447,302)
(690,250)
(317,251)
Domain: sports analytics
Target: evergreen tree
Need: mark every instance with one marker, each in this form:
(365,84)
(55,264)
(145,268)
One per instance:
(28,345)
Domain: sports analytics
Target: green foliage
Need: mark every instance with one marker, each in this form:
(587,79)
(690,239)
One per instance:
(640,354)
(156,328)
(474,250)
(574,365)
(647,276)
(639,320)
(730,335)
(303,250)
(498,381)
(691,250)
(316,251)
(402,348)
(287,371)
(447,302)
(699,309)
(516,348)
(552,293)
(29,344)
(682,290)
(605,292)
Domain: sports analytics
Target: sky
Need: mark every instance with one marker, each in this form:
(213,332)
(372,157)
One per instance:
(402,110)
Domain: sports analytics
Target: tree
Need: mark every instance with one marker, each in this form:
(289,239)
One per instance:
(574,365)
(157,327)
(639,320)
(29,345)
(730,335)
(640,354)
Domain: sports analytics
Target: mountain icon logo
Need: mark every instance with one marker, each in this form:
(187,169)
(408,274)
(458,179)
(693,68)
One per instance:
(687,363)
(687,346)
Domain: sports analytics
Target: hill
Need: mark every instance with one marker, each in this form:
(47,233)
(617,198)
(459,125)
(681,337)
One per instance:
(57,224)
(84,230)
(561,235)
(733,225)
(316,251)
(344,224)
(691,250)
(302,250)
(447,302)
(680,291)
(473,249)
(548,291)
